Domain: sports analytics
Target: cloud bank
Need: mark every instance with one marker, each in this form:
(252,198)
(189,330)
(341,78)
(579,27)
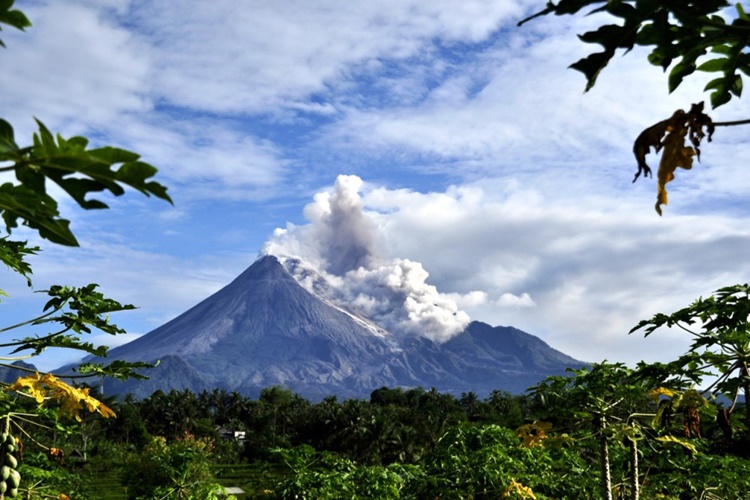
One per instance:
(506,253)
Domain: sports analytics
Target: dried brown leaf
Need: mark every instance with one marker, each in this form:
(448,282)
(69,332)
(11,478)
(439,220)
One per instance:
(652,137)
(671,135)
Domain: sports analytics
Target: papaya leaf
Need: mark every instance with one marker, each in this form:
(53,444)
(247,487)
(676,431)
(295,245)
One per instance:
(720,97)
(8,146)
(685,444)
(675,155)
(87,308)
(673,30)
(40,344)
(714,65)
(592,65)
(79,171)
(679,72)
(119,369)
(670,135)
(14,18)
(13,253)
(652,138)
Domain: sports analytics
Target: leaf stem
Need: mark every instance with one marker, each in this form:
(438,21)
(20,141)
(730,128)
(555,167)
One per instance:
(731,124)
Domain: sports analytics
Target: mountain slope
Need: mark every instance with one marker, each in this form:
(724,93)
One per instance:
(265,329)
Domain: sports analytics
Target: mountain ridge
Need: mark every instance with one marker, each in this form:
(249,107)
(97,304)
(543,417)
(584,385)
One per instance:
(265,328)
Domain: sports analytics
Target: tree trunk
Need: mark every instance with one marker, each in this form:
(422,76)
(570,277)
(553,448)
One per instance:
(606,475)
(633,445)
(746,390)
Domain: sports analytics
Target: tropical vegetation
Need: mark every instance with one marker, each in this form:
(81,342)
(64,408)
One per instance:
(656,431)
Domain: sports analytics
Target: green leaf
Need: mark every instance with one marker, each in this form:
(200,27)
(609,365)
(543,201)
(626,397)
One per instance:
(14,18)
(736,87)
(716,83)
(680,71)
(13,254)
(118,369)
(6,131)
(7,141)
(78,171)
(112,155)
(591,66)
(720,97)
(38,212)
(713,65)
(725,49)
(741,12)
(610,36)
(38,345)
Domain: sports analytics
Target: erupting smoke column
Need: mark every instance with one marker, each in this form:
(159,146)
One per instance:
(340,244)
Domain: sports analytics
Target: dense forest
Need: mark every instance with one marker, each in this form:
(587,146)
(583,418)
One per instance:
(604,431)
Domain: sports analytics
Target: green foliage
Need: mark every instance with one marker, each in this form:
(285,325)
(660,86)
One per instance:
(589,396)
(324,475)
(13,254)
(679,33)
(676,473)
(178,469)
(720,327)
(79,171)
(468,460)
(11,17)
(47,479)
(77,310)
(74,168)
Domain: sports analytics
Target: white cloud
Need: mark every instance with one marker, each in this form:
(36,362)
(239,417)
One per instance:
(270,55)
(510,300)
(590,269)
(580,275)
(207,159)
(73,68)
(515,109)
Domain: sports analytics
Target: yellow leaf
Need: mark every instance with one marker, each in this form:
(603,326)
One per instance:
(516,488)
(652,138)
(671,135)
(675,154)
(72,399)
(31,385)
(671,439)
(661,391)
(534,433)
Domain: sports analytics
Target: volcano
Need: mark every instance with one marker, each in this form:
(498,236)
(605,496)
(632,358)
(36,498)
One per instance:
(266,329)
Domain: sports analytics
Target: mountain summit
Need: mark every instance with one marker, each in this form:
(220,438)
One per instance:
(265,329)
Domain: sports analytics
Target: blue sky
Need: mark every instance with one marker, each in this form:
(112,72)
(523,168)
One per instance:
(479,156)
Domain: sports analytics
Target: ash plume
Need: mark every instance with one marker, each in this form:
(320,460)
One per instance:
(341,245)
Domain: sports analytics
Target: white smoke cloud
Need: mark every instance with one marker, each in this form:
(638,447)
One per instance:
(341,244)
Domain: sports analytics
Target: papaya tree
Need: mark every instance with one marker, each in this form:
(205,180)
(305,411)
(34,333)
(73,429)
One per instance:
(596,400)
(614,405)
(80,171)
(720,328)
